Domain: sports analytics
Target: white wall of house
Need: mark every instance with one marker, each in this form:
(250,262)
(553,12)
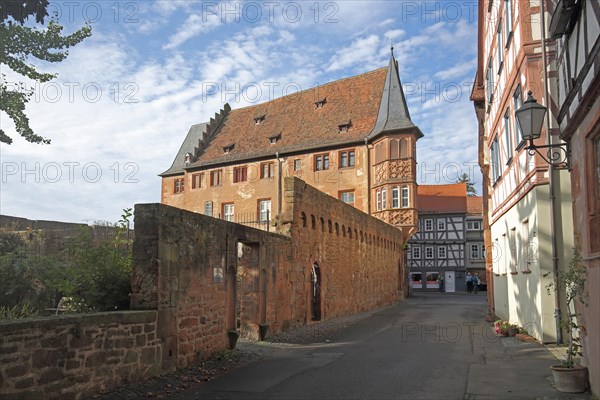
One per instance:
(522,259)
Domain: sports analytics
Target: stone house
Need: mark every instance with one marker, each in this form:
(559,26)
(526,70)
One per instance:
(352,139)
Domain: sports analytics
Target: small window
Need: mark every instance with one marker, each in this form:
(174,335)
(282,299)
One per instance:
(416,252)
(275,138)
(347,158)
(197,180)
(259,119)
(508,137)
(441,224)
(512,245)
(395,197)
(489,83)
(347,197)
(267,170)
(378,194)
(517,102)
(321,162)
(508,17)
(500,46)
(428,224)
(179,185)
(216,177)
(227,149)
(240,174)
(475,254)
(320,103)
(429,252)
(441,251)
(405,197)
(344,126)
(383,198)
(473,225)
(264,210)
(228,212)
(208,208)
(297,164)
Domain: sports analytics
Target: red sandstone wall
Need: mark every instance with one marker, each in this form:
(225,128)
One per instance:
(75,357)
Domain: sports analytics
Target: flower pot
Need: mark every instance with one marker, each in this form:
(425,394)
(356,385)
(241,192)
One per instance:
(569,380)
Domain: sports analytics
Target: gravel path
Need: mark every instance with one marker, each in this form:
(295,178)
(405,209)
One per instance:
(245,352)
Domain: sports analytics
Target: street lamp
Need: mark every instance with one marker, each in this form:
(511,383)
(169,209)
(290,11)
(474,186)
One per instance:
(530,118)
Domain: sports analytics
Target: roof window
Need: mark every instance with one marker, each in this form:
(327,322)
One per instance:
(321,103)
(259,119)
(275,138)
(344,126)
(228,148)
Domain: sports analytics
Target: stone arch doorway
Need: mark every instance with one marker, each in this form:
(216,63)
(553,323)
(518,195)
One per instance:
(315,292)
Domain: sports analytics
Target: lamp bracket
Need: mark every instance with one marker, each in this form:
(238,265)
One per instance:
(558,154)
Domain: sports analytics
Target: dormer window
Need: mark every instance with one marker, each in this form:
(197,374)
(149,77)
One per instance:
(344,126)
(228,148)
(321,103)
(259,119)
(275,138)
(188,158)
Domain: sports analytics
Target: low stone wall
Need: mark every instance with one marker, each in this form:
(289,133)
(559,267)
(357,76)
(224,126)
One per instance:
(75,357)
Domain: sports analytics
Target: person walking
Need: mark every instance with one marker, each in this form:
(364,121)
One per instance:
(476,282)
(469,281)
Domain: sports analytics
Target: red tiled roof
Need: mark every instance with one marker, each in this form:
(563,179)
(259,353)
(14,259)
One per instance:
(301,124)
(475,205)
(442,198)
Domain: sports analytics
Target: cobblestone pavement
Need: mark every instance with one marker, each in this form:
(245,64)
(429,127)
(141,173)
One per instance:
(245,352)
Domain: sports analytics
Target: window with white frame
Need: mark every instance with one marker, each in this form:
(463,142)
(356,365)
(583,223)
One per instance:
(208,208)
(512,245)
(517,103)
(378,195)
(474,225)
(508,136)
(441,224)
(441,251)
(264,210)
(508,17)
(500,46)
(489,81)
(383,198)
(475,255)
(416,252)
(428,224)
(495,160)
(395,197)
(429,252)
(405,198)
(526,246)
(228,212)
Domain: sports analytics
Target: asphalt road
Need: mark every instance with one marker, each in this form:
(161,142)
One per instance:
(431,346)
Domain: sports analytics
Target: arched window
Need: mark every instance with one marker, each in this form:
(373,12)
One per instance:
(383,199)
(322,224)
(378,200)
(344,230)
(394,149)
(329,226)
(313,221)
(350,232)
(337,229)
(404,148)
(405,198)
(303,218)
(395,197)
(380,153)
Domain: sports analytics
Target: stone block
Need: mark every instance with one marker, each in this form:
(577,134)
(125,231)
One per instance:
(44,358)
(16,371)
(24,383)
(148,356)
(50,375)
(131,357)
(95,359)
(34,394)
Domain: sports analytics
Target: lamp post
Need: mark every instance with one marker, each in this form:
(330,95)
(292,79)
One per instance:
(530,118)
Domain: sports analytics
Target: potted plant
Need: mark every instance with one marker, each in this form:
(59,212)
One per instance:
(570,377)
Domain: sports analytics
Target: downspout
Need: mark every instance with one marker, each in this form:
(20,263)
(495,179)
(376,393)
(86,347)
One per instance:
(368,176)
(279,184)
(551,184)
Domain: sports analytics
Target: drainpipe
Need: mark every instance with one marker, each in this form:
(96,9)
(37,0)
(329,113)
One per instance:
(551,189)
(368,176)
(279,184)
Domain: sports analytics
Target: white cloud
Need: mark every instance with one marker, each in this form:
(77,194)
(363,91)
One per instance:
(357,52)
(192,27)
(458,70)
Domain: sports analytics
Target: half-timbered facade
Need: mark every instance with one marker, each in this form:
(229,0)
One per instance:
(576,26)
(529,237)
(447,231)
(352,139)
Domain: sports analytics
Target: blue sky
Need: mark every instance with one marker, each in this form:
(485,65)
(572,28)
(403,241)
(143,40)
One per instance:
(126,97)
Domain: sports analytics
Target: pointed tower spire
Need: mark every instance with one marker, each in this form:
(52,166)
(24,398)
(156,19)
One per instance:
(393,111)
